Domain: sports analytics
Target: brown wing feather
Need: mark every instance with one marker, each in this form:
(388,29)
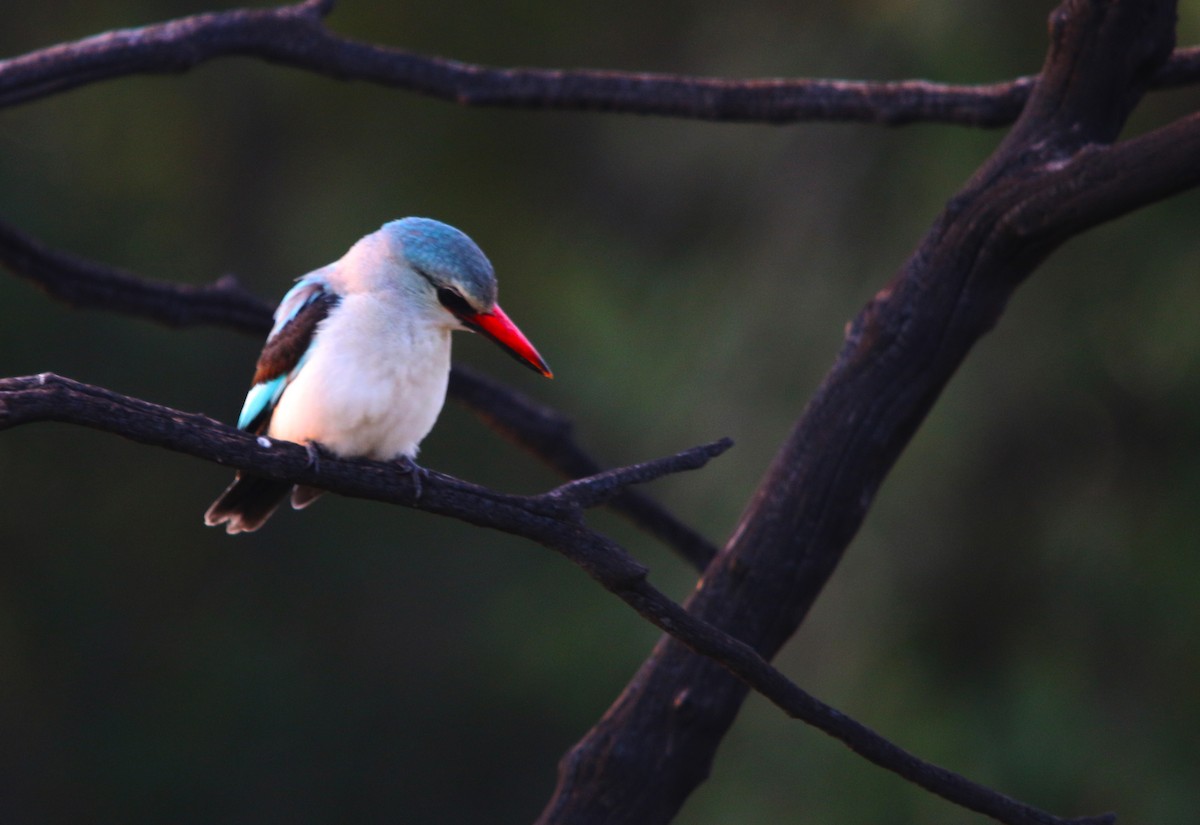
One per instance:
(285,348)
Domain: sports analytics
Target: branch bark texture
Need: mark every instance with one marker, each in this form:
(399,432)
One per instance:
(1054,175)
(296,36)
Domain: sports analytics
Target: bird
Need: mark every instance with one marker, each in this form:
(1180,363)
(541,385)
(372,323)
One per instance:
(358,359)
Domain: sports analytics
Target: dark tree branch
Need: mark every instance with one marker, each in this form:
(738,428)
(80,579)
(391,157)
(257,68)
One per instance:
(1100,183)
(553,519)
(82,283)
(296,36)
(1052,177)
(544,432)
(1182,69)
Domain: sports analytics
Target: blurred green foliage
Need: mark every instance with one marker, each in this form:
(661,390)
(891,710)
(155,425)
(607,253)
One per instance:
(1021,605)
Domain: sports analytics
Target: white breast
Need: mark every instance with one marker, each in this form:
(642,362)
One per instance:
(373,385)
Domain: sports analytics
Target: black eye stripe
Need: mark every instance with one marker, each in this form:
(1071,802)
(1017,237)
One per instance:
(454,302)
(451,299)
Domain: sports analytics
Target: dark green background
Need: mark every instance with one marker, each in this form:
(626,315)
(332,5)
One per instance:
(1021,606)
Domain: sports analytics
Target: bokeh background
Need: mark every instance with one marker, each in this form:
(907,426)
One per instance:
(1022,604)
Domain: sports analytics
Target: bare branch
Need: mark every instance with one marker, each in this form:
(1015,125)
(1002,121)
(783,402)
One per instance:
(296,36)
(1181,70)
(544,432)
(1100,183)
(83,283)
(543,519)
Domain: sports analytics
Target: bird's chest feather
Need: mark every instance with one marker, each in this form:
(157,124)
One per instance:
(373,385)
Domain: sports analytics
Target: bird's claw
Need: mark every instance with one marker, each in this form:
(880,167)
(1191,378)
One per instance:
(412,468)
(314,456)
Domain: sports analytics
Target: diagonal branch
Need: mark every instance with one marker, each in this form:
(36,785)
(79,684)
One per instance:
(544,432)
(296,36)
(1054,176)
(553,519)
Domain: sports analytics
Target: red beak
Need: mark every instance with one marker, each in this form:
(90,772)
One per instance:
(499,328)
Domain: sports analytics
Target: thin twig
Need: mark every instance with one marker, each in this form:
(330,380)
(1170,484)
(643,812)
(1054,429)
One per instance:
(601,487)
(550,435)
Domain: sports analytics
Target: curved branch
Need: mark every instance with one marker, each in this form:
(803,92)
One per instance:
(296,36)
(544,432)
(552,519)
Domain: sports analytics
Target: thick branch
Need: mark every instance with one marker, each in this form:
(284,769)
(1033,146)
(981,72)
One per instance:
(1051,178)
(552,519)
(296,36)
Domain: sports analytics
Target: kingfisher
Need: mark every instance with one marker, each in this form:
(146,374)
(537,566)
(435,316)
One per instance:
(358,359)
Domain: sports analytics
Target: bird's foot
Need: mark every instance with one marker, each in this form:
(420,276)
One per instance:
(314,450)
(412,468)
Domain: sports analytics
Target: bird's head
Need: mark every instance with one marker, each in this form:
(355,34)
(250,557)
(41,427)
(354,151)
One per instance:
(452,273)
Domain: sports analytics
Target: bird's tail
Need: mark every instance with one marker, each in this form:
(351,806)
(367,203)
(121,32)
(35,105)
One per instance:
(246,503)
(303,495)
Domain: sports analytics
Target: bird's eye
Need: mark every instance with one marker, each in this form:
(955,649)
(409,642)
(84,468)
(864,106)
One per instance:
(454,302)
